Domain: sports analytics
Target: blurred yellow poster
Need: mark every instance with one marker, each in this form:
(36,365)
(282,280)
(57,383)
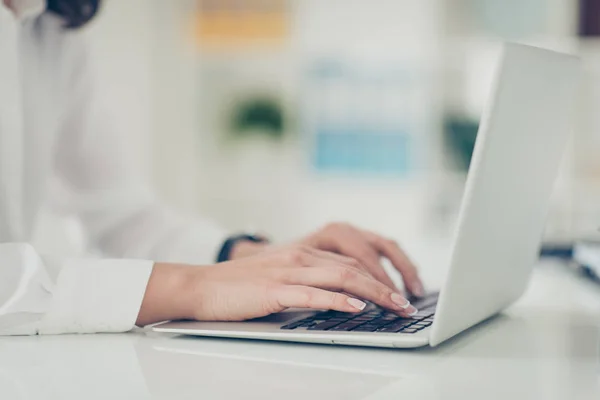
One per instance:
(236,24)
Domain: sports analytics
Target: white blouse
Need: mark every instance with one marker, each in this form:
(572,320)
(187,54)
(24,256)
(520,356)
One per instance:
(54,129)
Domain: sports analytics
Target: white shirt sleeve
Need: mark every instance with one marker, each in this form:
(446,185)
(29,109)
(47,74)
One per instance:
(68,295)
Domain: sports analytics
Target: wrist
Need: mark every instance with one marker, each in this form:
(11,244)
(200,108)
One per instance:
(168,294)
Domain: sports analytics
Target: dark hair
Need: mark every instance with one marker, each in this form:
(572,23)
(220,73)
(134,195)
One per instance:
(76,13)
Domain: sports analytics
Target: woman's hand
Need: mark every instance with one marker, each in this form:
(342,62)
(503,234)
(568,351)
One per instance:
(272,281)
(365,247)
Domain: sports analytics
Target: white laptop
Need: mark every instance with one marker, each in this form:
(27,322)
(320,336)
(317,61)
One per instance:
(522,137)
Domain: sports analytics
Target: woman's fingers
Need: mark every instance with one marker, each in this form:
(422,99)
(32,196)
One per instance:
(367,248)
(339,278)
(352,243)
(392,251)
(295,296)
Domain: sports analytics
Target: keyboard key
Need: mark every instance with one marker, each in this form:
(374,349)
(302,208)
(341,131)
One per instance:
(303,323)
(293,325)
(365,328)
(391,329)
(332,314)
(410,330)
(403,322)
(308,324)
(371,314)
(389,317)
(347,326)
(422,314)
(325,325)
(379,322)
(421,323)
(339,319)
(419,328)
(362,319)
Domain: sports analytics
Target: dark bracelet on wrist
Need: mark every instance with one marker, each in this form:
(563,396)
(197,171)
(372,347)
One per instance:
(229,244)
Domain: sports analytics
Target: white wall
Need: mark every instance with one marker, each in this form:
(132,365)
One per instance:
(270,187)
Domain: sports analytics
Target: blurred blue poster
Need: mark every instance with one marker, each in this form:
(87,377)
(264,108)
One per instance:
(361,118)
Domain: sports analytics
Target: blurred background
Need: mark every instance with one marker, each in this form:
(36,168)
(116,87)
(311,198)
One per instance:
(278,116)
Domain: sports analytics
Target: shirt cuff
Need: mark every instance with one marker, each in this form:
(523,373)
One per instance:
(97,296)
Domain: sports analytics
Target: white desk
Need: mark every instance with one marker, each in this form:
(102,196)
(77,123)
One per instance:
(545,347)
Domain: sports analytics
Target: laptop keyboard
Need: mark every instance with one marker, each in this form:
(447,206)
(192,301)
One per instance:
(371,319)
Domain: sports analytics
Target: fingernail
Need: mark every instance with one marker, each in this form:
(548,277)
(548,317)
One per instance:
(357,303)
(410,311)
(400,301)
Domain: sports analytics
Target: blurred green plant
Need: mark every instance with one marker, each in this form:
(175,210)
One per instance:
(258,115)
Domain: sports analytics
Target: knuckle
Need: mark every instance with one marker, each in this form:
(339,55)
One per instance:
(347,275)
(367,255)
(390,242)
(383,296)
(335,226)
(273,302)
(333,298)
(282,256)
(353,263)
(296,256)
(306,297)
(305,249)
(284,275)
